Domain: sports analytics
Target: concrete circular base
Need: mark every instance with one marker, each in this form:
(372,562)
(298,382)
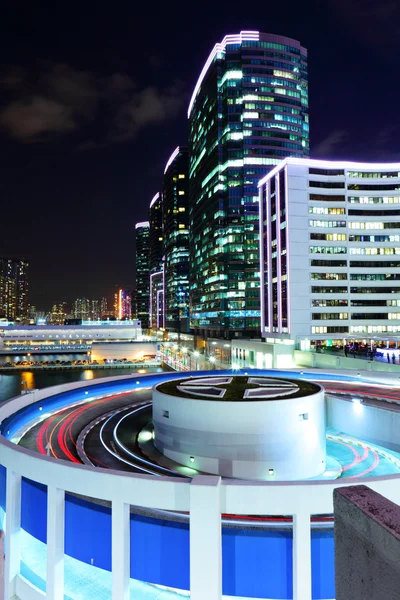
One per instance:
(245,427)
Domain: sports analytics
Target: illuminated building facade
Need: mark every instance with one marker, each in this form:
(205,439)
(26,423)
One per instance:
(156,263)
(81,309)
(124,304)
(95,313)
(176,241)
(21,267)
(58,313)
(330,250)
(249,110)
(13,289)
(103,307)
(142,297)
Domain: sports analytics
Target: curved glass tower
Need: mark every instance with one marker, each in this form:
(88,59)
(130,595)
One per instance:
(249,110)
(176,241)
(142,274)
(156,266)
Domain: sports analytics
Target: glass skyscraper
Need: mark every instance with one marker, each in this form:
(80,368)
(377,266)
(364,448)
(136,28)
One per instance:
(249,110)
(156,265)
(13,289)
(176,241)
(142,273)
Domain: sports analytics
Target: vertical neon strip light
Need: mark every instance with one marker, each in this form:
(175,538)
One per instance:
(278,250)
(157,311)
(261,196)
(269,256)
(159,307)
(348,295)
(164,293)
(151,302)
(289,314)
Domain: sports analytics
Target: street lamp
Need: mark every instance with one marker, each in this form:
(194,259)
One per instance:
(196,355)
(212,360)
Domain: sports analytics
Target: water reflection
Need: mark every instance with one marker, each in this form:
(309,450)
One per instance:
(10,386)
(27,380)
(87,374)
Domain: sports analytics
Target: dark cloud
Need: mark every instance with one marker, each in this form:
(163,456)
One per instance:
(31,119)
(143,108)
(329,145)
(58,100)
(78,91)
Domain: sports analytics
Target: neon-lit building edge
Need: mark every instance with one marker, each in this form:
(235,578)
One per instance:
(142,296)
(156,263)
(176,241)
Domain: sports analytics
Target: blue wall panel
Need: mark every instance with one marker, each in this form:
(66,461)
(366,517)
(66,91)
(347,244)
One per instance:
(88,532)
(323,564)
(34,509)
(160,551)
(257,563)
(3,475)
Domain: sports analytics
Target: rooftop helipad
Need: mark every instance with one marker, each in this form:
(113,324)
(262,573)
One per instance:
(238,388)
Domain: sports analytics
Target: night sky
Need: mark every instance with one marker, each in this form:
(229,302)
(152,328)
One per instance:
(94,100)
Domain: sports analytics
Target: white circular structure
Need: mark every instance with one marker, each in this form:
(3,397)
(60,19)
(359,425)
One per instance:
(243,427)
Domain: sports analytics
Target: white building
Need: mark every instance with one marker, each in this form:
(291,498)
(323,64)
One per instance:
(66,336)
(330,250)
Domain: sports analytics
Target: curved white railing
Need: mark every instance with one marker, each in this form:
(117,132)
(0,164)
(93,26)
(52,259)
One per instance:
(205,498)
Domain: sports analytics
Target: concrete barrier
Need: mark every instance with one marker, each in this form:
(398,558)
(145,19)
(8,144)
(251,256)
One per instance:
(367,545)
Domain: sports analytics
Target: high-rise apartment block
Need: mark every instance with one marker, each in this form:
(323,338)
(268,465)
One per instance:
(103,307)
(81,309)
(330,250)
(142,298)
(249,110)
(175,197)
(156,263)
(13,289)
(58,313)
(95,313)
